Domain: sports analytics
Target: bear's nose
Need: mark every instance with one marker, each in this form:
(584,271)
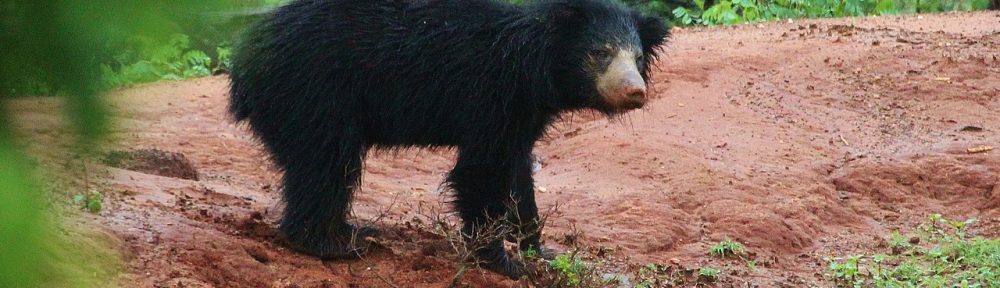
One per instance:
(634,89)
(635,93)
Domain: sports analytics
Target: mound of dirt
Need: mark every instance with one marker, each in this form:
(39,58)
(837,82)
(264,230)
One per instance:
(153,161)
(965,181)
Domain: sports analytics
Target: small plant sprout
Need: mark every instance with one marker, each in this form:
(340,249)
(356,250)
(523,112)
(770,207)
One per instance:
(726,248)
(530,253)
(570,267)
(960,226)
(708,273)
(90,201)
(898,242)
(846,270)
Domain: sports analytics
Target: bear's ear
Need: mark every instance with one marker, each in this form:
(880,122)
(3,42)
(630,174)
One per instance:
(653,32)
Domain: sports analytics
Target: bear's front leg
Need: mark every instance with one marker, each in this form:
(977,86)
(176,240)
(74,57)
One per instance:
(524,215)
(482,185)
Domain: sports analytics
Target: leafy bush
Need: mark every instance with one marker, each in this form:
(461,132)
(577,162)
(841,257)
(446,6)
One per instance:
(139,41)
(202,48)
(151,61)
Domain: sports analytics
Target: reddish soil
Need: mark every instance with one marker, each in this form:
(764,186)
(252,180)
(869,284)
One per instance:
(801,139)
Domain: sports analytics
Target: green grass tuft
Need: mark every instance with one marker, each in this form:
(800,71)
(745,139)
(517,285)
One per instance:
(727,248)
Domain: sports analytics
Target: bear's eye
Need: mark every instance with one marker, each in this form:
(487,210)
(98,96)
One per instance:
(601,54)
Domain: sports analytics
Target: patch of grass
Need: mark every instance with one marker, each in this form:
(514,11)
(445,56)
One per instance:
(708,274)
(727,248)
(846,270)
(897,242)
(570,267)
(944,257)
(572,270)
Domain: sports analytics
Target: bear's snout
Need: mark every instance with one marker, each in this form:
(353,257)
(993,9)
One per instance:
(621,86)
(633,92)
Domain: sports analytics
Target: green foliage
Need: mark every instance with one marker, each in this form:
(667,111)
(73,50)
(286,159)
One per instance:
(846,269)
(90,202)
(21,220)
(726,248)
(728,12)
(173,60)
(708,273)
(571,268)
(685,16)
(225,54)
(104,44)
(897,242)
(530,253)
(201,48)
(944,257)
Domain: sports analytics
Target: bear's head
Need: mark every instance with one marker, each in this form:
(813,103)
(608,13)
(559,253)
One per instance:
(603,54)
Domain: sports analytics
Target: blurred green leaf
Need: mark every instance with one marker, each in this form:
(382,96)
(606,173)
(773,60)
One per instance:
(886,7)
(21,222)
(76,49)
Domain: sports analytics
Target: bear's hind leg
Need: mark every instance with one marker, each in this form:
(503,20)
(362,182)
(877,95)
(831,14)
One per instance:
(317,192)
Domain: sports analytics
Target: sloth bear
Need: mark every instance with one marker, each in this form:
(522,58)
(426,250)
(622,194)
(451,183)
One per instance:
(320,82)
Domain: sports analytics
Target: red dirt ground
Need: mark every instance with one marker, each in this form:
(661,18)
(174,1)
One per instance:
(801,139)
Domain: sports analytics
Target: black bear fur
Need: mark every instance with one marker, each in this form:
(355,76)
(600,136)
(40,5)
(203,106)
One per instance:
(321,82)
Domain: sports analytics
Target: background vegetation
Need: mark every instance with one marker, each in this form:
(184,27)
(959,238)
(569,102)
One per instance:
(716,12)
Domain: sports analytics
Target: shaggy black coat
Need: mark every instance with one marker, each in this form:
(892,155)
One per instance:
(321,82)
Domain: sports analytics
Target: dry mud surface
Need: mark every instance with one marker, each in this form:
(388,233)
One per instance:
(801,139)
